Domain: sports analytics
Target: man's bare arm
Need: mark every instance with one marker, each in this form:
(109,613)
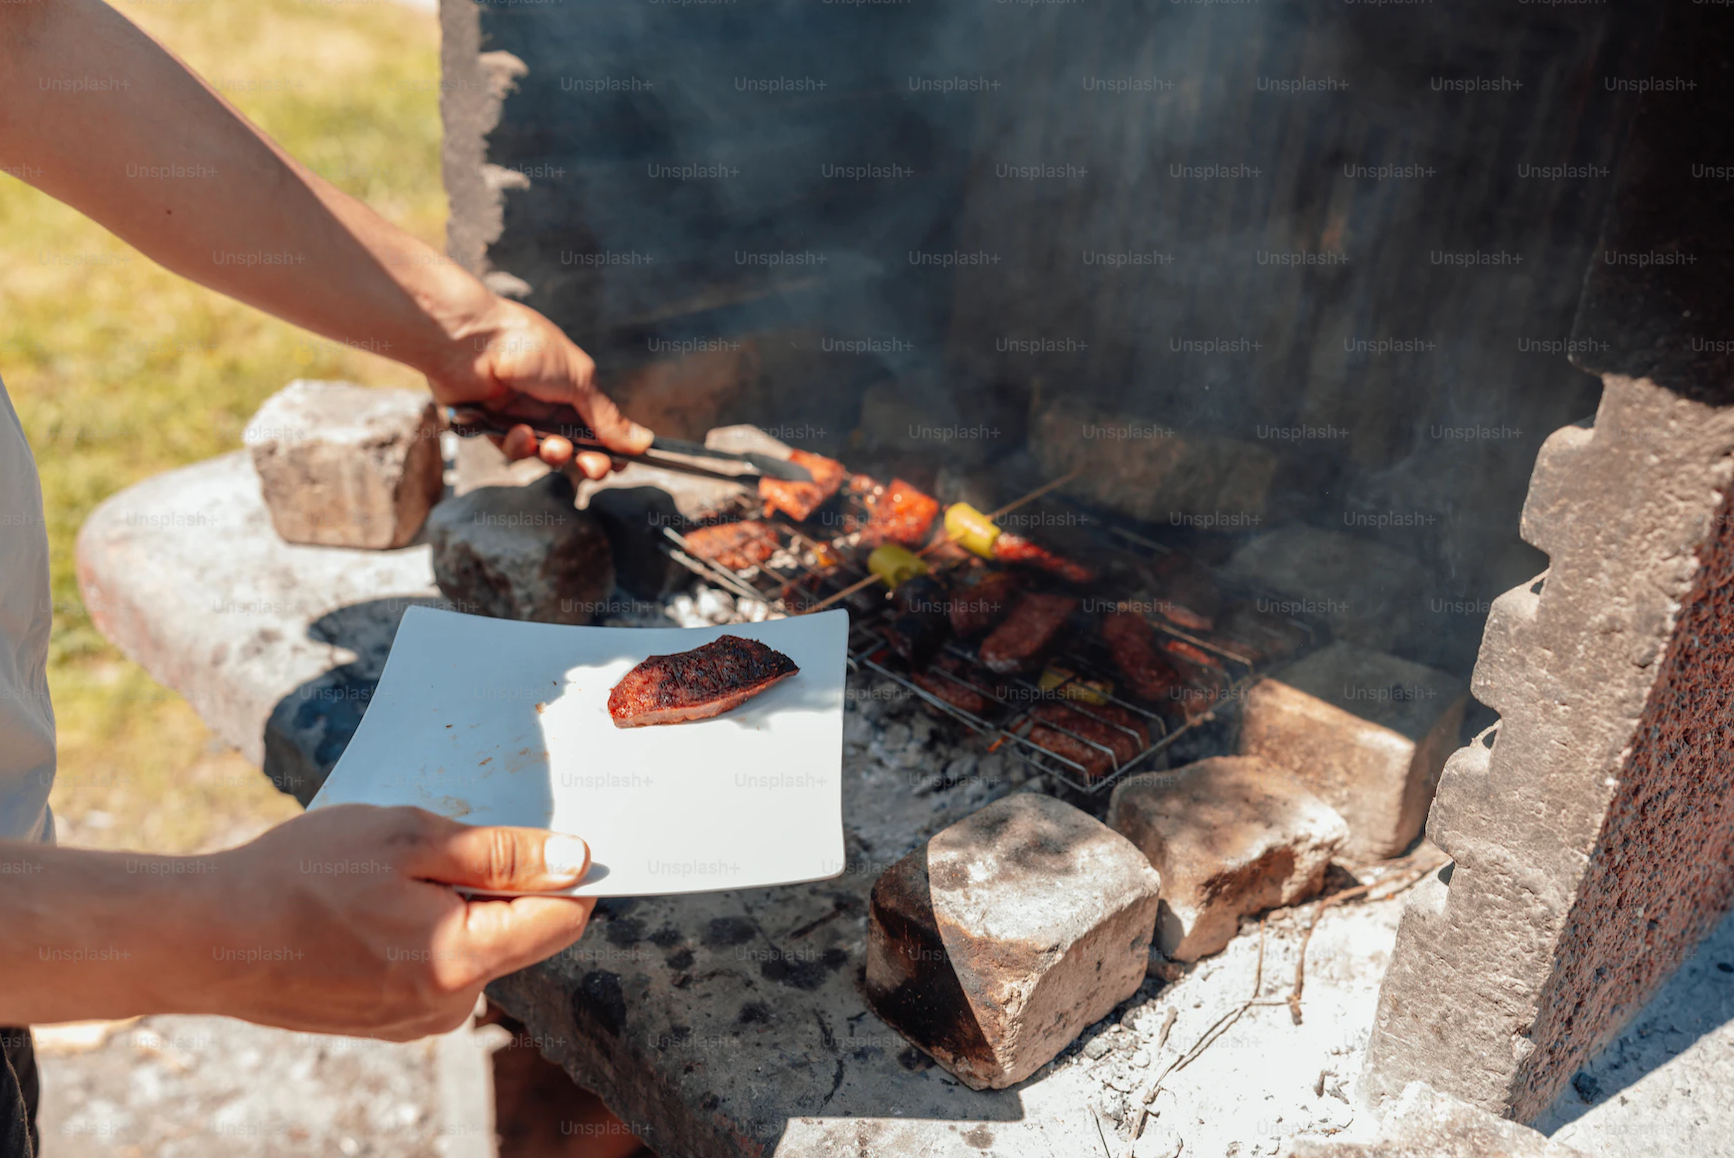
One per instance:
(95,112)
(340,921)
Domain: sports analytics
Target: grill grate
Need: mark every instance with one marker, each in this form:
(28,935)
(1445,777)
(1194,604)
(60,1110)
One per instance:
(805,570)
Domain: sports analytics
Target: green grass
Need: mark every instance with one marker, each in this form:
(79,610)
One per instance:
(121,370)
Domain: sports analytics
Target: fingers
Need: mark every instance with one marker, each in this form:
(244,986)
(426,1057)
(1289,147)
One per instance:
(497,858)
(505,935)
(519,443)
(617,432)
(595,464)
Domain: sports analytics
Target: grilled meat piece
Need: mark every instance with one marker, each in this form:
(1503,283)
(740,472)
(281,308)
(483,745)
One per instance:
(1132,642)
(902,515)
(1010,548)
(919,626)
(1112,727)
(733,546)
(1187,597)
(1027,632)
(948,678)
(799,500)
(978,608)
(1206,681)
(695,685)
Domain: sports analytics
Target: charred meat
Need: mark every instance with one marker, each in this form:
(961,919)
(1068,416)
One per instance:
(901,515)
(948,678)
(919,625)
(1027,633)
(1132,642)
(695,685)
(1010,548)
(733,546)
(978,608)
(1205,677)
(1100,738)
(799,500)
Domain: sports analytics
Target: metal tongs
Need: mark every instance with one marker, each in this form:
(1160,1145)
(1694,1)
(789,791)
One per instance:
(664,453)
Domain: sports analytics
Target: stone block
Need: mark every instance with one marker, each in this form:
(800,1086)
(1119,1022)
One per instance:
(994,944)
(343,465)
(1427,1124)
(1143,469)
(1368,732)
(1230,836)
(522,553)
(1367,592)
(1592,830)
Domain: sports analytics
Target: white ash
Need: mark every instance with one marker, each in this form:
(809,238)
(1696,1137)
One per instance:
(700,606)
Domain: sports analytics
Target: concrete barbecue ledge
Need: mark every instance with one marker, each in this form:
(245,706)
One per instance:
(734,1023)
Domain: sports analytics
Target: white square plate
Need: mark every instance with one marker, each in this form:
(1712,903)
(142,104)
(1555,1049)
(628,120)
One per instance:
(493,721)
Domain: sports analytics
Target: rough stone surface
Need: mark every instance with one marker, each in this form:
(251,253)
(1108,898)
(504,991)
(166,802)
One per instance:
(276,646)
(1230,836)
(1137,466)
(1593,828)
(1660,1086)
(215,1087)
(993,945)
(343,465)
(1424,1123)
(522,553)
(1367,592)
(1366,731)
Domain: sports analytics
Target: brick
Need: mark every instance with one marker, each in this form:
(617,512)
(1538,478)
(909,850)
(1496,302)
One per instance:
(1367,592)
(994,944)
(1230,836)
(1368,732)
(1151,473)
(342,465)
(522,553)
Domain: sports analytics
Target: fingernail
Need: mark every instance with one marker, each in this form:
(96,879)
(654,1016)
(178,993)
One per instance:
(564,856)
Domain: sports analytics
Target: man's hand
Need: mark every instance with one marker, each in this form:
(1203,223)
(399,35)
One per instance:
(343,920)
(374,940)
(343,272)
(517,362)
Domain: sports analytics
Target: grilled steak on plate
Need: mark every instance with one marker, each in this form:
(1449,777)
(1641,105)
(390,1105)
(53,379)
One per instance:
(695,685)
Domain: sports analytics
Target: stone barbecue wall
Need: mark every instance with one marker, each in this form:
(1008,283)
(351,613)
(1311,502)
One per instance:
(1592,830)
(1662,873)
